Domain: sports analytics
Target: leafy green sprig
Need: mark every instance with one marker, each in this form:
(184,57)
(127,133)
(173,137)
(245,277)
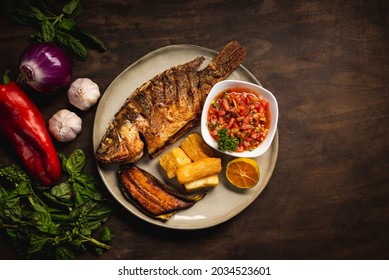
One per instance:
(53,223)
(225,142)
(57,28)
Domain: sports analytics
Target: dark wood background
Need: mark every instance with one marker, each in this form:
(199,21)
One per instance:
(327,62)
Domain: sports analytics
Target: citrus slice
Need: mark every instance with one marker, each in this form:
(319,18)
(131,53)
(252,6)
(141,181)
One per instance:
(243,173)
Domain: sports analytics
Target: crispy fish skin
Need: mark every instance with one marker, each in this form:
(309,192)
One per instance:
(165,107)
(150,194)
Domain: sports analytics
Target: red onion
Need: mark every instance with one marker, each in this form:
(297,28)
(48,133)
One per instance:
(45,67)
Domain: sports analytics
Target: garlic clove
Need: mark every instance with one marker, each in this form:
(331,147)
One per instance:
(83,93)
(65,125)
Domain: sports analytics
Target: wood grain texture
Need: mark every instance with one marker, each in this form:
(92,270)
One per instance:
(326,62)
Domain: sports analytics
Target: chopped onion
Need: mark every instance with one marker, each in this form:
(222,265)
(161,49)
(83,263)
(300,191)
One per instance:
(45,67)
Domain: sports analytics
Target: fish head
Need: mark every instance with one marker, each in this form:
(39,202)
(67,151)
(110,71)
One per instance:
(121,143)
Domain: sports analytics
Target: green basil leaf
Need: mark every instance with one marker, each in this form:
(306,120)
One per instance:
(63,218)
(75,162)
(37,13)
(85,193)
(90,40)
(53,228)
(17,241)
(42,220)
(48,31)
(87,186)
(91,213)
(23,188)
(85,230)
(99,251)
(98,212)
(86,180)
(78,243)
(37,242)
(72,6)
(19,13)
(11,210)
(67,24)
(63,191)
(71,44)
(55,200)
(93,225)
(64,253)
(3,195)
(106,235)
(64,160)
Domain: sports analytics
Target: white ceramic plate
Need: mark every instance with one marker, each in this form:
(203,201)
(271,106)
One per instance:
(221,203)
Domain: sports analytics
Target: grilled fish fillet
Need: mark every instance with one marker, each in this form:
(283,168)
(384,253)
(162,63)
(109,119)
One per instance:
(165,107)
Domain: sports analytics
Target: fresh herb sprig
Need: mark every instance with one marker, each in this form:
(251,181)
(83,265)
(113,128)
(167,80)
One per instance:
(225,142)
(57,222)
(61,28)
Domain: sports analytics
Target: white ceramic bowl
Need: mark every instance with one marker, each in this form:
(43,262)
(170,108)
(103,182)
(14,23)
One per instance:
(228,84)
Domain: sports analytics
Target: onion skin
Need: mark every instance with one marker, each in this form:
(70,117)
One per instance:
(45,67)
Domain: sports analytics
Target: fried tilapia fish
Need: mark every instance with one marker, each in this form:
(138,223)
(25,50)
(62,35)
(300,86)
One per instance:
(165,107)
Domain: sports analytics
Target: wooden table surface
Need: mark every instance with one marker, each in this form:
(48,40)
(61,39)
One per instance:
(327,62)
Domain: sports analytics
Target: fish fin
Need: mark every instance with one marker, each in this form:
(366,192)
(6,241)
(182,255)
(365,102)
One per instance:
(224,63)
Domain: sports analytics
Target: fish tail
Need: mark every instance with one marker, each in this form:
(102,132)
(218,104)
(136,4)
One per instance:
(226,61)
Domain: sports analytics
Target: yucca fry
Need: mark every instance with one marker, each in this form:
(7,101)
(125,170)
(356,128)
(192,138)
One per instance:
(210,181)
(172,160)
(198,169)
(196,148)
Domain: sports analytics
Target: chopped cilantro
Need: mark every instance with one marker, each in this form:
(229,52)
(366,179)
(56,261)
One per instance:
(225,142)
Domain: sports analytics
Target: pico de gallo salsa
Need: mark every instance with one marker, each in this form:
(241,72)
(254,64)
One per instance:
(239,120)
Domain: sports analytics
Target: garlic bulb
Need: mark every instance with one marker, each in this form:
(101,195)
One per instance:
(65,125)
(83,93)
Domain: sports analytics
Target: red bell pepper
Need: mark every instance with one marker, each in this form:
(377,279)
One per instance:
(23,124)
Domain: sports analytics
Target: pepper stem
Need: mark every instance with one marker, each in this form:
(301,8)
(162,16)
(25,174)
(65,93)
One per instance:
(6,78)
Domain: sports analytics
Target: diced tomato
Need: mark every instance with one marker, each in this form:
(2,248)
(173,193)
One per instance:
(240,148)
(225,104)
(213,133)
(247,119)
(221,112)
(246,126)
(230,123)
(242,113)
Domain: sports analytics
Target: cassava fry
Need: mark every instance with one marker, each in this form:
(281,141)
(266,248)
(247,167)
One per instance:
(172,160)
(198,169)
(210,181)
(195,147)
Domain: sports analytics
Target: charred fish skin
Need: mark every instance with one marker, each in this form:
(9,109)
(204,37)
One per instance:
(149,194)
(165,107)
